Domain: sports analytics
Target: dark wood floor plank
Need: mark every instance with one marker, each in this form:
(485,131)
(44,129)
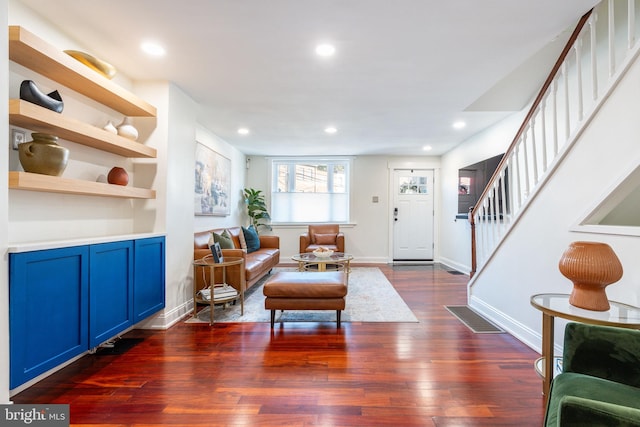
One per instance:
(432,373)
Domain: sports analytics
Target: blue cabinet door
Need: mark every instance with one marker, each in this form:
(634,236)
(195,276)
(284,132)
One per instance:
(110,290)
(48,310)
(149,289)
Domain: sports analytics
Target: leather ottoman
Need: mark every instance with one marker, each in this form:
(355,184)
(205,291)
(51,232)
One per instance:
(306,291)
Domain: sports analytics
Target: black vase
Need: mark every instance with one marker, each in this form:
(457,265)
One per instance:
(30,93)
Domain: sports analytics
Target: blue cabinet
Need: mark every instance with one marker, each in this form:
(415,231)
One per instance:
(110,290)
(65,301)
(48,310)
(149,271)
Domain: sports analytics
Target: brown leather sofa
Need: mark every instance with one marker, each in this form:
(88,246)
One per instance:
(256,264)
(322,235)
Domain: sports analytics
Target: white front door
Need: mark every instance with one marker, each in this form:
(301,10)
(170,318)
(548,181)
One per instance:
(413,215)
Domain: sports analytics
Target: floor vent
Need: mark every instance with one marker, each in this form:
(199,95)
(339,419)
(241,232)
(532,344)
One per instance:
(473,320)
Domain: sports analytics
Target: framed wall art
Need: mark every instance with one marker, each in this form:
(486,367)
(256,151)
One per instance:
(213,182)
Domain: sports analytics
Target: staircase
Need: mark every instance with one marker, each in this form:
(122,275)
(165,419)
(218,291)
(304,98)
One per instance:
(597,55)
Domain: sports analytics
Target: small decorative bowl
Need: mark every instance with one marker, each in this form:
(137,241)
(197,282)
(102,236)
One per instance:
(323,254)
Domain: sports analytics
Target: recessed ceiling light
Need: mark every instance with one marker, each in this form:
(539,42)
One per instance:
(330,130)
(427,148)
(243,131)
(325,49)
(459,124)
(152,48)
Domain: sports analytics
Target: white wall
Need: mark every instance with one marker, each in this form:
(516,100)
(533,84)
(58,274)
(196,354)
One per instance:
(367,237)
(38,216)
(34,216)
(527,262)
(455,248)
(4,213)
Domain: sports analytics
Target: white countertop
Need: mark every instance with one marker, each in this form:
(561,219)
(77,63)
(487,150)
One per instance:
(39,246)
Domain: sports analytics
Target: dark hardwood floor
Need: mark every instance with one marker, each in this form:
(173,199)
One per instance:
(432,373)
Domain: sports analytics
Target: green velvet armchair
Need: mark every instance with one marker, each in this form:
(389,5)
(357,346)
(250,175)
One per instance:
(600,381)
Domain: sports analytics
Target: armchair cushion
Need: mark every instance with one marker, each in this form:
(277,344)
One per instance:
(590,390)
(604,352)
(325,235)
(600,382)
(579,412)
(325,239)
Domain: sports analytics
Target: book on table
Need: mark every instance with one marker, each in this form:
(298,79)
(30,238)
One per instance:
(224,291)
(219,292)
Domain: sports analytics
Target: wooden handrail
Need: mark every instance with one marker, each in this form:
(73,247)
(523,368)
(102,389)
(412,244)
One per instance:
(536,103)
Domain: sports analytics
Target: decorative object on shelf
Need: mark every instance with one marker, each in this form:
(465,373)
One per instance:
(30,93)
(110,127)
(102,67)
(591,266)
(102,178)
(118,176)
(127,130)
(43,155)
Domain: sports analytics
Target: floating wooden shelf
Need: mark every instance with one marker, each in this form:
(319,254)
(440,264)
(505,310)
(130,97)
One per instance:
(36,54)
(36,118)
(54,184)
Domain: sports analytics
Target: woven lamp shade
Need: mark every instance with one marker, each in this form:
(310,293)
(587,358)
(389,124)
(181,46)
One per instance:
(591,266)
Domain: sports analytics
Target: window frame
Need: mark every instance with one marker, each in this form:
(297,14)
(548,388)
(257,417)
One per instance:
(272,179)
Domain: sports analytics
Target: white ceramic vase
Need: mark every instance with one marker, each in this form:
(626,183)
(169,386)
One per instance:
(109,127)
(127,130)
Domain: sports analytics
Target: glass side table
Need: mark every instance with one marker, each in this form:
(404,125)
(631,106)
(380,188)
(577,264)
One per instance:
(208,262)
(557,305)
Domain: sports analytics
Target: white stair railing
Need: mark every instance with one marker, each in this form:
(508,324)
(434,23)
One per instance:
(604,40)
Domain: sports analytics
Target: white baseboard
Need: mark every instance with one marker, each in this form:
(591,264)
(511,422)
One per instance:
(523,333)
(167,318)
(455,265)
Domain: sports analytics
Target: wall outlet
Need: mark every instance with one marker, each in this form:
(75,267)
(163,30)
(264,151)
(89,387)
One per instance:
(17,137)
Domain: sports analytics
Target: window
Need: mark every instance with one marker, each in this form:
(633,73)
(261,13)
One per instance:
(310,190)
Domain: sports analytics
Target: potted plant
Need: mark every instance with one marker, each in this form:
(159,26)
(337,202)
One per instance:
(256,208)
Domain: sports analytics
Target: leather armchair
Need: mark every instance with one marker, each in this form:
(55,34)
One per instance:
(322,235)
(600,382)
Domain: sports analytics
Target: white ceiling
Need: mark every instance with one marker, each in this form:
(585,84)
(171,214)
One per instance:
(404,70)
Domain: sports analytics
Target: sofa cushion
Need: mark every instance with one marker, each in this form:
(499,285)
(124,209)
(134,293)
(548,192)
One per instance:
(588,387)
(325,239)
(224,239)
(259,262)
(251,238)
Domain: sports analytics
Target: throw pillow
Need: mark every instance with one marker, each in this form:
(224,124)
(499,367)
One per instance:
(325,239)
(252,239)
(224,239)
(243,242)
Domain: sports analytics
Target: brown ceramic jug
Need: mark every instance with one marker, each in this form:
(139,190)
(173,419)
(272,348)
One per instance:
(43,155)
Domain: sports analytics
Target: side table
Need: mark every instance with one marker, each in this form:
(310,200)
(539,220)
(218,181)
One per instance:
(207,262)
(557,305)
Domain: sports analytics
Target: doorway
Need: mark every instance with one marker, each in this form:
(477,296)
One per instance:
(413,212)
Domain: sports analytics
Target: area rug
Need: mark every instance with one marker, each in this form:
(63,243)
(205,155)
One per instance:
(371,298)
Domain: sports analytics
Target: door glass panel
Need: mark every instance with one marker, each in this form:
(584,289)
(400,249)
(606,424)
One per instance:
(412,185)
